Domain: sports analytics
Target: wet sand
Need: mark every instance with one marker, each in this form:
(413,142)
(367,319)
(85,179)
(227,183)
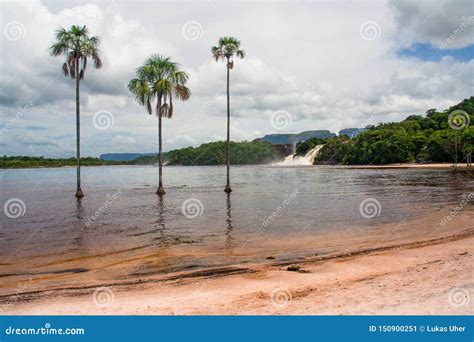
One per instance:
(420,277)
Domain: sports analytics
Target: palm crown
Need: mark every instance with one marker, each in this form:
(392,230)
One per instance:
(159,78)
(77,46)
(227,48)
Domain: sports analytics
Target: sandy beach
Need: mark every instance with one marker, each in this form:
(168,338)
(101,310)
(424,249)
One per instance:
(420,277)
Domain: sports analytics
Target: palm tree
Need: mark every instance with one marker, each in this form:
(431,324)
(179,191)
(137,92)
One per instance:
(77,46)
(159,78)
(227,48)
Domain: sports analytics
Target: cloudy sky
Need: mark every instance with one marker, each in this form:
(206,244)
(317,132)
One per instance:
(309,65)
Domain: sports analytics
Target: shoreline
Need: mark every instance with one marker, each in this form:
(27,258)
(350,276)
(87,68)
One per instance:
(450,166)
(462,166)
(327,284)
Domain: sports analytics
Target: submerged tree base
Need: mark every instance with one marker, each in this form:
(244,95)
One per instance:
(79,193)
(161,190)
(228,189)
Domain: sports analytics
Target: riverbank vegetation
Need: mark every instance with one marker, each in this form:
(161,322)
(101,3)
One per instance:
(19,162)
(418,138)
(305,146)
(215,153)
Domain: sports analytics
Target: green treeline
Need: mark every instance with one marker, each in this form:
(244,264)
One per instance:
(417,138)
(18,162)
(214,153)
(305,146)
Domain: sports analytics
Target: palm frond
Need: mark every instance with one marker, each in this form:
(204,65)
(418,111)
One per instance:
(59,48)
(182,92)
(65,70)
(97,61)
(77,46)
(217,53)
(72,66)
(61,34)
(148,106)
(160,78)
(227,47)
(164,110)
(240,54)
(141,89)
(180,77)
(170,109)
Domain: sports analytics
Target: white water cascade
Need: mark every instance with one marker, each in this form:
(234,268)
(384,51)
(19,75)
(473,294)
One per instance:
(308,159)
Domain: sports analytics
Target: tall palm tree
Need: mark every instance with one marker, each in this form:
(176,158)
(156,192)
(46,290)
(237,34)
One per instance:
(160,78)
(77,46)
(226,49)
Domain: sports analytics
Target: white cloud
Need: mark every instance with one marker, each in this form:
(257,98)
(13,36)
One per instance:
(120,139)
(305,58)
(435,21)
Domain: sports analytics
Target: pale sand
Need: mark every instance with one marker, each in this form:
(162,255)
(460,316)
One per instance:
(429,277)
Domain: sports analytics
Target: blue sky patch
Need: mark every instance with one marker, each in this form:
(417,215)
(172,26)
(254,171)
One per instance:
(428,52)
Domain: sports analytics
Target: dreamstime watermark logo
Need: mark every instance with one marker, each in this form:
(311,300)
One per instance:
(467,198)
(281,119)
(280,297)
(192,30)
(14,208)
(466,21)
(458,119)
(189,124)
(370,30)
(103,297)
(19,114)
(46,330)
(104,207)
(192,208)
(288,199)
(370,208)
(458,297)
(14,30)
(103,119)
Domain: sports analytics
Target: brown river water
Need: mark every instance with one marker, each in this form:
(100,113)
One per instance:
(122,232)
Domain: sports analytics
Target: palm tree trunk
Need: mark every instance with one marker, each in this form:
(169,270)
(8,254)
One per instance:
(79,192)
(455,151)
(227,187)
(161,189)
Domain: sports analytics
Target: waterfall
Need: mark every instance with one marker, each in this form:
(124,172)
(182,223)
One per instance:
(308,158)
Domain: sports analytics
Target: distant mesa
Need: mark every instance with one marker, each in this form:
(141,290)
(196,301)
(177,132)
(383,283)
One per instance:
(284,139)
(352,132)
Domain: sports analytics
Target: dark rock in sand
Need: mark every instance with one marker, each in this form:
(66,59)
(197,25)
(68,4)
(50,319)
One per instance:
(293,268)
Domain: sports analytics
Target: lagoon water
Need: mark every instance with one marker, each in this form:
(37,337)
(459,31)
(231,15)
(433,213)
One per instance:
(122,231)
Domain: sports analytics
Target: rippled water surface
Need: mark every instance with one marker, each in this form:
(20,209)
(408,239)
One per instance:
(122,230)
